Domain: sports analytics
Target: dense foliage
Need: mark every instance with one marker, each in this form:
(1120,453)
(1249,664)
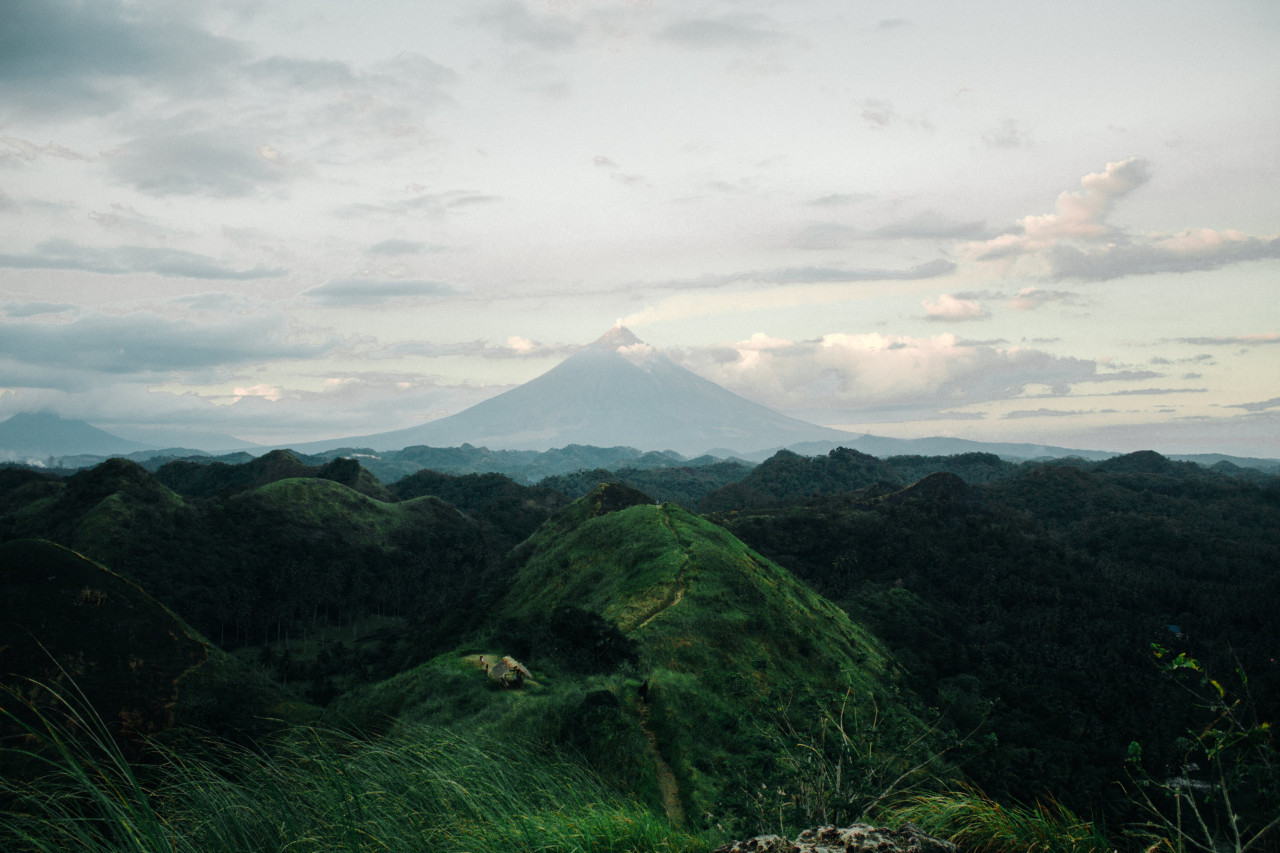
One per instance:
(1028,606)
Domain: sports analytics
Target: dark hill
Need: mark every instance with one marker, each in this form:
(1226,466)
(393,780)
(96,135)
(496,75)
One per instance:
(68,623)
(787,476)
(220,479)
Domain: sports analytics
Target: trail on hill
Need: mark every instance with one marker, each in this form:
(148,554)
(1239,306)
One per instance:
(675,593)
(662,771)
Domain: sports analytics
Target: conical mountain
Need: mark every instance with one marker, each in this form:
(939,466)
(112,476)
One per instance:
(41,434)
(616,391)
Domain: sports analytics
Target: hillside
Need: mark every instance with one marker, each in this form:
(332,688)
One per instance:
(81,630)
(650,632)
(1029,604)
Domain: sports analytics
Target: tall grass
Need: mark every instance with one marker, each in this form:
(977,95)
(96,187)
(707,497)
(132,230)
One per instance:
(419,789)
(979,824)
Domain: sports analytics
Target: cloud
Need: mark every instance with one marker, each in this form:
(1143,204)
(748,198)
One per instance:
(1079,214)
(397,247)
(848,374)
(124,260)
(363,291)
(1236,340)
(514,23)
(825,235)
(1045,413)
(1191,251)
(1076,242)
(141,343)
(214,163)
(948,308)
(878,113)
(931,225)
(422,204)
(61,56)
(35,309)
(516,347)
(1010,134)
(735,30)
(26,150)
(1031,298)
(1262,406)
(815,275)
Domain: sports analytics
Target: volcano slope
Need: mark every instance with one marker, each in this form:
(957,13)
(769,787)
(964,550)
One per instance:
(679,662)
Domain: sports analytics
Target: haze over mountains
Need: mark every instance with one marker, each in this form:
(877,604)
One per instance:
(614,392)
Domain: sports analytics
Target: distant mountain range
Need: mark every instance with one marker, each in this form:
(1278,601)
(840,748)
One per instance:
(616,392)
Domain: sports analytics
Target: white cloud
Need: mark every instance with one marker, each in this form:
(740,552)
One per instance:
(948,308)
(1076,241)
(852,373)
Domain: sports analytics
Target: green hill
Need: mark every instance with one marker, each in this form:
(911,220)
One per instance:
(676,659)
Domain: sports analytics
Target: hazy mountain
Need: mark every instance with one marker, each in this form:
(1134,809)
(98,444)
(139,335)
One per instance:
(615,391)
(36,435)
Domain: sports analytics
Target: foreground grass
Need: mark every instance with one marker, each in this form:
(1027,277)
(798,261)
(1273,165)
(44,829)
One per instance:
(421,789)
(979,824)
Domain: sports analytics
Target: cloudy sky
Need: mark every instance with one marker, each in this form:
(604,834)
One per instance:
(286,221)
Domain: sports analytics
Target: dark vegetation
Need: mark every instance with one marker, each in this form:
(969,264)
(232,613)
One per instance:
(999,629)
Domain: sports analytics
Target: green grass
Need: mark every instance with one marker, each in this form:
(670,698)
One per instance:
(419,789)
(979,824)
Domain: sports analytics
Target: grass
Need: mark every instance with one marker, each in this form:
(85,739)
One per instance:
(979,824)
(421,788)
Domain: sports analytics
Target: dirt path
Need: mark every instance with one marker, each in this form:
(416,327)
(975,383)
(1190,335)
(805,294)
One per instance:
(673,596)
(666,779)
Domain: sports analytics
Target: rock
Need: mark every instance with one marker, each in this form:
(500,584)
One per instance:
(859,838)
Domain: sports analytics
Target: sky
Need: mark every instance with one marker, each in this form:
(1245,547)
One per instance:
(300,219)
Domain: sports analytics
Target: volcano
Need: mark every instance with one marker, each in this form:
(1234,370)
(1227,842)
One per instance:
(615,391)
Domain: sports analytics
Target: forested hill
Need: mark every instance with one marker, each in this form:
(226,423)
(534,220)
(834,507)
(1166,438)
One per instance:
(1029,605)
(1022,600)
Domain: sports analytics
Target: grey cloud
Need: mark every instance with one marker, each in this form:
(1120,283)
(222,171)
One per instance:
(514,23)
(27,150)
(1140,392)
(302,73)
(931,225)
(1043,413)
(840,199)
(878,113)
(810,275)
(1239,340)
(604,163)
(743,30)
(1264,405)
(825,235)
(1031,298)
(397,247)
(148,343)
(34,309)
(375,291)
(211,163)
(1068,262)
(58,56)
(173,263)
(430,204)
(888,24)
(1010,134)
(482,349)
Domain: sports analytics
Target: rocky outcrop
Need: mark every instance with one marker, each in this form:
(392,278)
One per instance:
(859,838)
